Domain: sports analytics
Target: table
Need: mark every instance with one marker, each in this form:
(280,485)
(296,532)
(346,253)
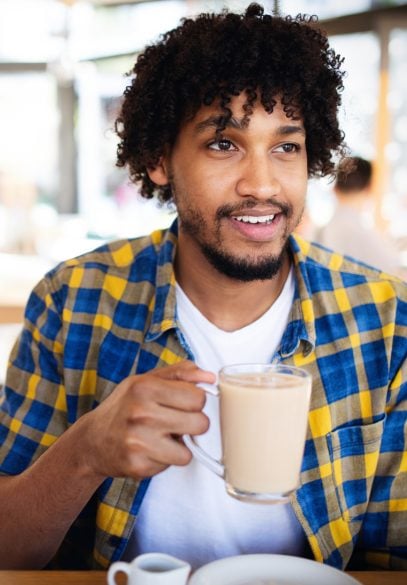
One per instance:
(99,577)
(11,313)
(18,275)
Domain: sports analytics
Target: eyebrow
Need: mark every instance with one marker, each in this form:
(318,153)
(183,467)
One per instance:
(216,121)
(290,129)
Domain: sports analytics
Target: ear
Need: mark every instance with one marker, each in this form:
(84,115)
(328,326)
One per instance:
(159,173)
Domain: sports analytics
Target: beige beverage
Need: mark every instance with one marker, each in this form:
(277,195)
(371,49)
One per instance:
(263,427)
(263,422)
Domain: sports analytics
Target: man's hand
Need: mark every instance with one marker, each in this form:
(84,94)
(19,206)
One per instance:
(136,431)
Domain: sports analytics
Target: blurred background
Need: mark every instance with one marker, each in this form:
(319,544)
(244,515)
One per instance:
(62,74)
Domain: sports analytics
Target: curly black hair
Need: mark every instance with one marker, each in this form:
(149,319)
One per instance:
(218,56)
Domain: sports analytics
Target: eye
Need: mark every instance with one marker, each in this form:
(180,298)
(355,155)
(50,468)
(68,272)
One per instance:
(288,148)
(222,144)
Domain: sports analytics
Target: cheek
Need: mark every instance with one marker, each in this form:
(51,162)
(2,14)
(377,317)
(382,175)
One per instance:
(207,188)
(295,184)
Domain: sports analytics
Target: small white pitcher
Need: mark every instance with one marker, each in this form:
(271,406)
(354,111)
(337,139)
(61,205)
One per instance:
(151,569)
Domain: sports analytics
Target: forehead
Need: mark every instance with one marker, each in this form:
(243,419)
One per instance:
(214,117)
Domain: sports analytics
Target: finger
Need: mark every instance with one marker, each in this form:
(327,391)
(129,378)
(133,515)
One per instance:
(144,460)
(188,372)
(140,468)
(181,395)
(173,452)
(151,423)
(147,390)
(179,423)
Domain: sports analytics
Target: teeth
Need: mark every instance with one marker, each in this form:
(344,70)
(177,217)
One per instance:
(252,219)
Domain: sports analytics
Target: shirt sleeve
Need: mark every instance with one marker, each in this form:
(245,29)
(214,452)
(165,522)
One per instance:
(33,406)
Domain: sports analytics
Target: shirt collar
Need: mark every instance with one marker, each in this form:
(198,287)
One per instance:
(301,326)
(163,303)
(300,329)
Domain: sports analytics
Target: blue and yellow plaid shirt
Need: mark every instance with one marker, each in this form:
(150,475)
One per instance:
(99,318)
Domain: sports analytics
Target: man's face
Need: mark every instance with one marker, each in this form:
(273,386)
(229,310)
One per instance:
(238,195)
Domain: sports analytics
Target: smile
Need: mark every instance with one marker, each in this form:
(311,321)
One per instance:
(263,219)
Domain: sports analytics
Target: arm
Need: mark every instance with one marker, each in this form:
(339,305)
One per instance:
(134,432)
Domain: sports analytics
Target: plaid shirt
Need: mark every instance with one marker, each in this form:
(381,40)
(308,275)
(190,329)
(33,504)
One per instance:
(99,318)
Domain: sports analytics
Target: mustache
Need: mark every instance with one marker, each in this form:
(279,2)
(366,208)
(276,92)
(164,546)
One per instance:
(228,209)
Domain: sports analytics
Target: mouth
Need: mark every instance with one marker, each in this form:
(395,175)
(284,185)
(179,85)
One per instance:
(251,219)
(258,228)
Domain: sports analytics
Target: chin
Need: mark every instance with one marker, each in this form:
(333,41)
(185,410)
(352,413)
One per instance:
(245,269)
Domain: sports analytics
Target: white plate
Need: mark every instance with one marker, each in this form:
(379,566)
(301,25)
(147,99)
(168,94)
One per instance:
(264,569)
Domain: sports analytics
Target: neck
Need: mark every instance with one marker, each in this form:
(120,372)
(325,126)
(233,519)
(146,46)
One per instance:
(356,201)
(228,303)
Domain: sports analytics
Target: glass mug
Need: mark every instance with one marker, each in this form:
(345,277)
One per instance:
(263,420)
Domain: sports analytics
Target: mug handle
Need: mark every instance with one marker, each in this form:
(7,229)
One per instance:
(201,455)
(118,566)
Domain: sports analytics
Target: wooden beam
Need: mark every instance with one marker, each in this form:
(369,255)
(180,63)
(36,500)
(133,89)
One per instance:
(362,21)
(19,67)
(381,172)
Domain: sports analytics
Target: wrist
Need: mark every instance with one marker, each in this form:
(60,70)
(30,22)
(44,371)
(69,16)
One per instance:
(80,452)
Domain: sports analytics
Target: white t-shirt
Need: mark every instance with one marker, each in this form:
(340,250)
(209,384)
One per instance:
(186,511)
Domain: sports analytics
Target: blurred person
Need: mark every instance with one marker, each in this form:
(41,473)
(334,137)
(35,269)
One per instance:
(348,231)
(228,115)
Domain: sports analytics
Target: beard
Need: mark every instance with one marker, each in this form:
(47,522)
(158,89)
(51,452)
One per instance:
(243,268)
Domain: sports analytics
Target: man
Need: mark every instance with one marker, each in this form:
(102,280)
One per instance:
(228,115)
(347,232)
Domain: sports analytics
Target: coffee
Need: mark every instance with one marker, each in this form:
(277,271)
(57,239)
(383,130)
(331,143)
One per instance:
(263,420)
(263,423)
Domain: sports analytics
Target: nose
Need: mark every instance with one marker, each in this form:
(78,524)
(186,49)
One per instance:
(258,179)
